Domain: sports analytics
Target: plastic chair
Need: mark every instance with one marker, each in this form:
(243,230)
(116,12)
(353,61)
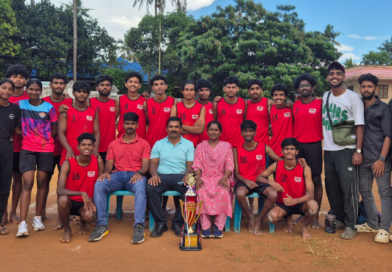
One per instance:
(238,212)
(120,196)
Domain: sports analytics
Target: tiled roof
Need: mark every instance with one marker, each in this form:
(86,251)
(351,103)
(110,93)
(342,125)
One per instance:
(382,72)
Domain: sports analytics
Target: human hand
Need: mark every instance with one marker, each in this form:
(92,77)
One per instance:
(357,158)
(199,183)
(135,178)
(63,108)
(302,162)
(217,98)
(378,168)
(154,180)
(70,154)
(88,203)
(224,184)
(276,186)
(104,176)
(251,184)
(289,201)
(146,95)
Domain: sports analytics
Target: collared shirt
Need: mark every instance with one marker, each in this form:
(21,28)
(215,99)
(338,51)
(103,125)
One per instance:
(377,127)
(128,156)
(173,158)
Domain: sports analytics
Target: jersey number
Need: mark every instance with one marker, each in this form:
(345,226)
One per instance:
(76,176)
(98,109)
(243,159)
(183,115)
(283,178)
(275,117)
(223,112)
(296,111)
(126,106)
(153,110)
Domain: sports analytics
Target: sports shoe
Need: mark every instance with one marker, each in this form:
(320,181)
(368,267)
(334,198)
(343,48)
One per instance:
(22,229)
(37,223)
(348,233)
(206,233)
(340,225)
(138,234)
(99,232)
(217,233)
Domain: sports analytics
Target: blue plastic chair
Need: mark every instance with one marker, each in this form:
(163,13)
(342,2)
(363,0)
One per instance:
(238,212)
(120,196)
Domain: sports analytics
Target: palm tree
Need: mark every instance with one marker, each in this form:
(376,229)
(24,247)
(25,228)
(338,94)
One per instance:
(160,5)
(126,51)
(332,34)
(348,63)
(79,6)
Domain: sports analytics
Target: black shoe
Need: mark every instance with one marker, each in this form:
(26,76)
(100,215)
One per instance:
(177,230)
(99,232)
(158,231)
(138,234)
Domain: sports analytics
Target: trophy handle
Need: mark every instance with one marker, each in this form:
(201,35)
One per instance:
(197,217)
(182,208)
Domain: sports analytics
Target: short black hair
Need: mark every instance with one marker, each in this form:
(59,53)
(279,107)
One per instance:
(58,76)
(131,116)
(312,81)
(288,142)
(280,87)
(34,81)
(158,77)
(253,82)
(336,66)
(81,85)
(215,123)
(174,119)
(203,83)
(134,74)
(6,80)
(248,124)
(231,80)
(103,78)
(17,69)
(188,81)
(86,136)
(368,77)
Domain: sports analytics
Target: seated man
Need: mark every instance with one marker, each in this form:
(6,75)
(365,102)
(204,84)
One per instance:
(170,163)
(76,186)
(295,189)
(130,156)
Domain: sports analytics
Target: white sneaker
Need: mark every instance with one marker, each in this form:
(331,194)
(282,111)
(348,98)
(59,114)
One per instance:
(22,229)
(37,223)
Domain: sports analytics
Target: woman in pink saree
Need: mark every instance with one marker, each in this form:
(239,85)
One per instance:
(214,165)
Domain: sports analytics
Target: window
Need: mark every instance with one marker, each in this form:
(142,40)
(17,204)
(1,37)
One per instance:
(383,91)
(350,88)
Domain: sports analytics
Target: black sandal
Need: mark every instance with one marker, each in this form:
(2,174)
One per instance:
(3,230)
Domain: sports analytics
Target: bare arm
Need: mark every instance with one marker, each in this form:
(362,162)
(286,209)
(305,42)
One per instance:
(97,134)
(198,127)
(53,130)
(117,107)
(272,154)
(62,128)
(263,178)
(107,170)
(188,171)
(173,111)
(309,190)
(18,130)
(155,179)
(145,112)
(215,111)
(250,183)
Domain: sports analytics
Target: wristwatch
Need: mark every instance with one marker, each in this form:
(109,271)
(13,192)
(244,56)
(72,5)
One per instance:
(382,158)
(359,151)
(140,172)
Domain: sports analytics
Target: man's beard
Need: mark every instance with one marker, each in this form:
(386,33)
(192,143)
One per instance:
(104,94)
(369,97)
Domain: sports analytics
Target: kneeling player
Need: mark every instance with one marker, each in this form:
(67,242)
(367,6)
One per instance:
(76,186)
(295,189)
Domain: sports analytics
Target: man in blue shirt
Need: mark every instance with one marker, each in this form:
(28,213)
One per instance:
(170,163)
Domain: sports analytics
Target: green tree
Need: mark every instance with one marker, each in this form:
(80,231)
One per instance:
(247,41)
(8,48)
(349,63)
(387,47)
(376,58)
(331,34)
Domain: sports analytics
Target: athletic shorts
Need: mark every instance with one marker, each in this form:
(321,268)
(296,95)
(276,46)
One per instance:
(103,156)
(290,210)
(15,164)
(30,161)
(260,189)
(56,161)
(75,207)
(313,154)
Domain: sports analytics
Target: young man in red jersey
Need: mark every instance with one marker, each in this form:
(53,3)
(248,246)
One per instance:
(281,118)
(308,130)
(76,186)
(204,88)
(230,112)
(191,113)
(18,74)
(294,185)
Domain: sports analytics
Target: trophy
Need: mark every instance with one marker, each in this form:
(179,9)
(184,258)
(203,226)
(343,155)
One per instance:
(190,240)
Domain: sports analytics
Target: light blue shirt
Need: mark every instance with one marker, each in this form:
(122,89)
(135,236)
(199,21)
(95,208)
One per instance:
(173,158)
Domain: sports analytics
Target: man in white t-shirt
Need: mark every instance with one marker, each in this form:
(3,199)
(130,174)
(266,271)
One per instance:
(341,161)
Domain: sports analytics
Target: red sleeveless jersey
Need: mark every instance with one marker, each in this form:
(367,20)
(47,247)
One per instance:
(231,116)
(308,126)
(58,148)
(292,181)
(209,118)
(136,106)
(82,178)
(188,117)
(18,138)
(258,113)
(107,121)
(251,163)
(78,122)
(158,114)
(281,126)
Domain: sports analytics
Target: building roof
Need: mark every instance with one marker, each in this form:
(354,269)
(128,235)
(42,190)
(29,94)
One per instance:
(380,71)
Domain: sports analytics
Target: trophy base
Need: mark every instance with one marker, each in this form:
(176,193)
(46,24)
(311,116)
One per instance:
(190,243)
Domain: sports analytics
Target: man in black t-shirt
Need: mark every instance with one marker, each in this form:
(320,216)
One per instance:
(9,120)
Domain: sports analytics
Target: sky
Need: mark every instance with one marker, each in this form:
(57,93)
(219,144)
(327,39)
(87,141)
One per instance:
(364,24)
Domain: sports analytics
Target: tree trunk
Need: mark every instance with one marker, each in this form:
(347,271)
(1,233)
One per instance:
(75,42)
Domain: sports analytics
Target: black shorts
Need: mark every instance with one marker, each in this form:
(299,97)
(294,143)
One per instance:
(313,154)
(30,161)
(260,189)
(56,161)
(15,164)
(75,207)
(103,156)
(290,210)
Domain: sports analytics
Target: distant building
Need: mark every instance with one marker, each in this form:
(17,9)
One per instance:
(383,72)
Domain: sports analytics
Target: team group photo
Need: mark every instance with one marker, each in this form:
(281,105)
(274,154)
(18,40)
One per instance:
(153,155)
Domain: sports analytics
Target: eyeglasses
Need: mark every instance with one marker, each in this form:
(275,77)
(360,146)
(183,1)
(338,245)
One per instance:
(304,85)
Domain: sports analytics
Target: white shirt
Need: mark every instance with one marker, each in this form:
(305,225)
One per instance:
(346,107)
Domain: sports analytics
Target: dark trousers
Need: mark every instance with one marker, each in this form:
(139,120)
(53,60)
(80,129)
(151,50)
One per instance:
(6,161)
(342,186)
(168,183)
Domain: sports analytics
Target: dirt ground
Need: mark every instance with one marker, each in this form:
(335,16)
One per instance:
(280,251)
